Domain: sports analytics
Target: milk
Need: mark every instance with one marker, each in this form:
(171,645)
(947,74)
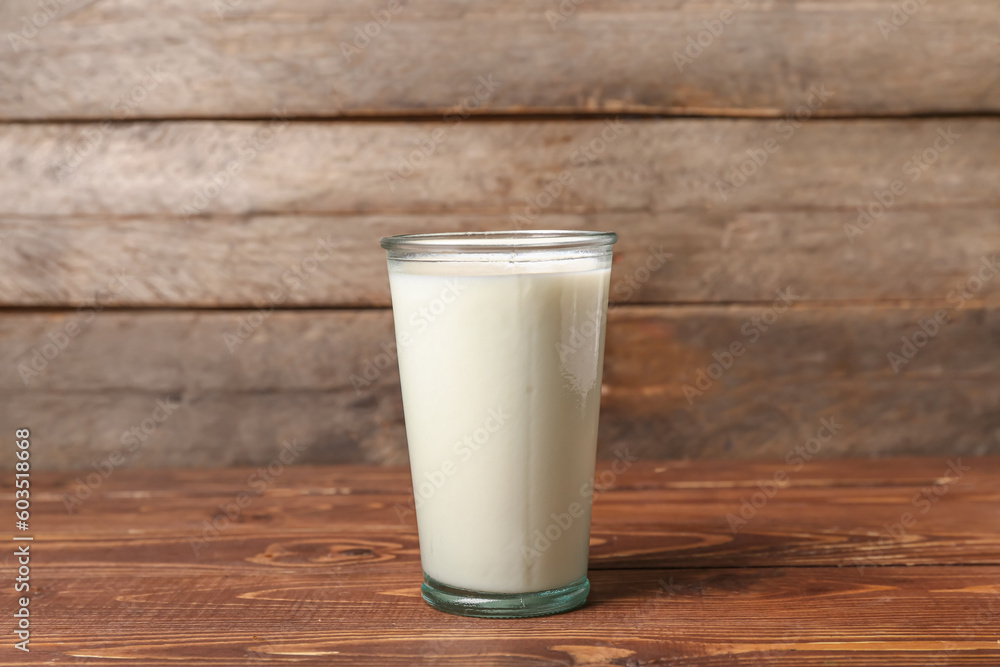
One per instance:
(501,379)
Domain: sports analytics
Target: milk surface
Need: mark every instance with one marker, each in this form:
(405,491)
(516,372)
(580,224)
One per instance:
(501,380)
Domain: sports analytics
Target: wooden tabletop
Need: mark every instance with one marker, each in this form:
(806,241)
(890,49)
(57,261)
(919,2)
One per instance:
(321,566)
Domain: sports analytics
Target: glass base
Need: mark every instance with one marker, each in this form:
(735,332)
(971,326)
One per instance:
(504,605)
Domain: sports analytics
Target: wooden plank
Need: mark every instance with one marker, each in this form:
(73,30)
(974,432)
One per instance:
(340,616)
(313,572)
(177,485)
(652,515)
(726,255)
(328,380)
(351,168)
(794,224)
(238,59)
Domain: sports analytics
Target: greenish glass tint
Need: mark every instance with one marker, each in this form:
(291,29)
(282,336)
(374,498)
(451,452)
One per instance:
(504,605)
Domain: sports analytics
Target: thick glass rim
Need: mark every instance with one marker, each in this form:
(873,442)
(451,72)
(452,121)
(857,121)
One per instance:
(499,242)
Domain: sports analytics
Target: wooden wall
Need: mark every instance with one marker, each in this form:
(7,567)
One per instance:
(191,197)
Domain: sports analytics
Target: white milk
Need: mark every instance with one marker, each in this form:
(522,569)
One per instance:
(501,379)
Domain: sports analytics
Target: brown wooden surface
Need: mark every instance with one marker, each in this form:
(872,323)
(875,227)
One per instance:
(292,380)
(713,256)
(656,185)
(321,569)
(652,165)
(245,57)
(224,68)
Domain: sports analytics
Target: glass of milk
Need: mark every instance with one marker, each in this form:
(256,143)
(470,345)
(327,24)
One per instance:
(500,337)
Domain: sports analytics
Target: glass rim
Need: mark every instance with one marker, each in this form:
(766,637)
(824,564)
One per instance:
(498,241)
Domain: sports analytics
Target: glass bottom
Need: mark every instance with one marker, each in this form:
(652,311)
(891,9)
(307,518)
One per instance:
(504,605)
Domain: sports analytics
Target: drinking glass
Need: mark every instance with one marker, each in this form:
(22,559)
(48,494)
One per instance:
(500,342)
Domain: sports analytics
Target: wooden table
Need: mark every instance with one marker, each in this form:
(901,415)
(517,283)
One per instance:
(321,566)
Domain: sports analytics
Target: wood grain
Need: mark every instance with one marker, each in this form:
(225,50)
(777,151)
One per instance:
(318,187)
(652,515)
(291,380)
(696,257)
(244,58)
(319,570)
(342,168)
